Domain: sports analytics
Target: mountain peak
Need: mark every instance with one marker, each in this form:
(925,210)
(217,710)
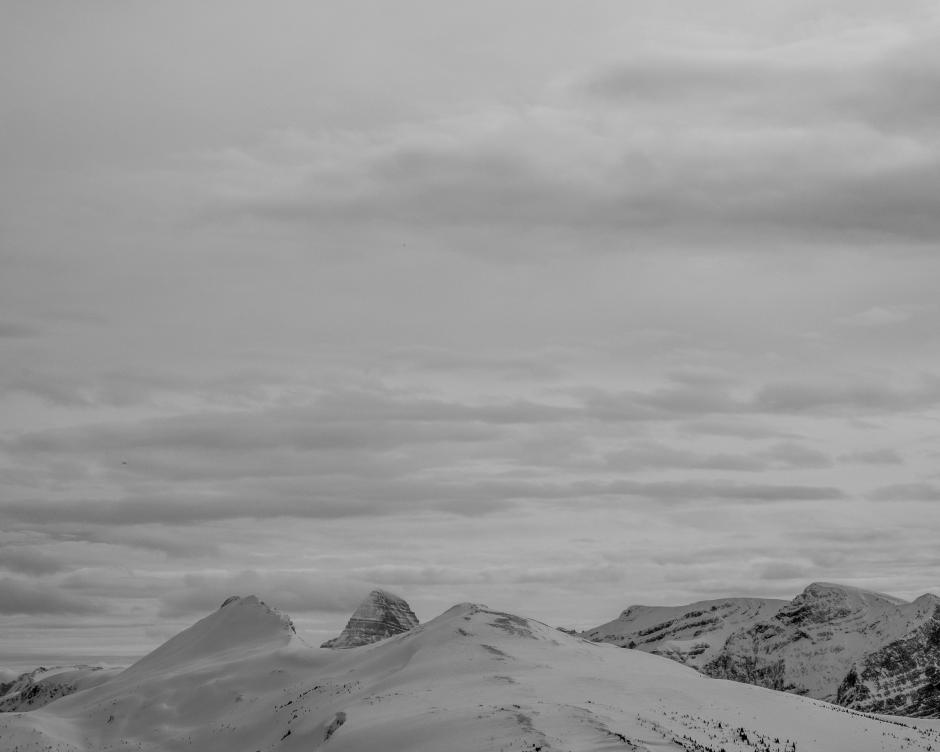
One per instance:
(382,614)
(240,623)
(834,590)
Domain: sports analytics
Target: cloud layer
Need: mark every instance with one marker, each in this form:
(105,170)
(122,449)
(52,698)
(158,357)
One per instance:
(308,306)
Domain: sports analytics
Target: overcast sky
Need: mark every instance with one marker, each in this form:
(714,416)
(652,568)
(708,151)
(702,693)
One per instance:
(554,306)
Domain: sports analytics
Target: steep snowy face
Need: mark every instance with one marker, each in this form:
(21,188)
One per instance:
(379,616)
(241,624)
(809,645)
(903,677)
(692,634)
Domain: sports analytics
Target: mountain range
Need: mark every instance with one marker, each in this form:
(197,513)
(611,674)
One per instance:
(860,649)
(477,678)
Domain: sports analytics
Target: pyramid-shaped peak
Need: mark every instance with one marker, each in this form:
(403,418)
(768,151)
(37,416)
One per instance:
(241,623)
(382,614)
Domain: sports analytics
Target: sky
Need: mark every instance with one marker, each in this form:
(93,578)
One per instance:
(558,307)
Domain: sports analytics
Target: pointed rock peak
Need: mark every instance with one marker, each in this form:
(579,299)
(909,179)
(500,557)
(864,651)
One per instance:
(380,615)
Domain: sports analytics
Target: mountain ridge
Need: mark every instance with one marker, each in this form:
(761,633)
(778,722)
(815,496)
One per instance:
(472,678)
(808,645)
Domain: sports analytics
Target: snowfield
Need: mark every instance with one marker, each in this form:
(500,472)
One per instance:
(471,679)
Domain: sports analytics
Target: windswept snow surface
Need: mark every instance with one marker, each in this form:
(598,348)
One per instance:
(472,679)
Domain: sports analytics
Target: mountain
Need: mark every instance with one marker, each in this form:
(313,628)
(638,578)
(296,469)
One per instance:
(474,678)
(380,615)
(36,688)
(692,634)
(239,625)
(810,645)
(837,643)
(903,677)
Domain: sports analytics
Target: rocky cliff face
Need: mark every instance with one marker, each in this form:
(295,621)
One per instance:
(809,645)
(903,677)
(380,615)
(857,648)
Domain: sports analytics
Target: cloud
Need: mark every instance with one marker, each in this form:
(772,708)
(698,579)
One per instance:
(656,455)
(907,492)
(819,141)
(15,330)
(792,455)
(675,492)
(879,316)
(793,398)
(870,80)
(651,455)
(873,457)
(514,365)
(339,421)
(739,427)
(691,401)
(33,598)
(25,560)
(382,452)
(783,570)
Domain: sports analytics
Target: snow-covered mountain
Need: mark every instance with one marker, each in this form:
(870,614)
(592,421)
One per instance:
(903,677)
(238,627)
(380,615)
(692,634)
(474,678)
(832,642)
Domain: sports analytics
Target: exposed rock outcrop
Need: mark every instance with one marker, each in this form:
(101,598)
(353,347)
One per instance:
(809,645)
(380,615)
(902,678)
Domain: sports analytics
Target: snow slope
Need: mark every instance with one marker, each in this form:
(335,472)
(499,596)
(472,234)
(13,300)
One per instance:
(472,679)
